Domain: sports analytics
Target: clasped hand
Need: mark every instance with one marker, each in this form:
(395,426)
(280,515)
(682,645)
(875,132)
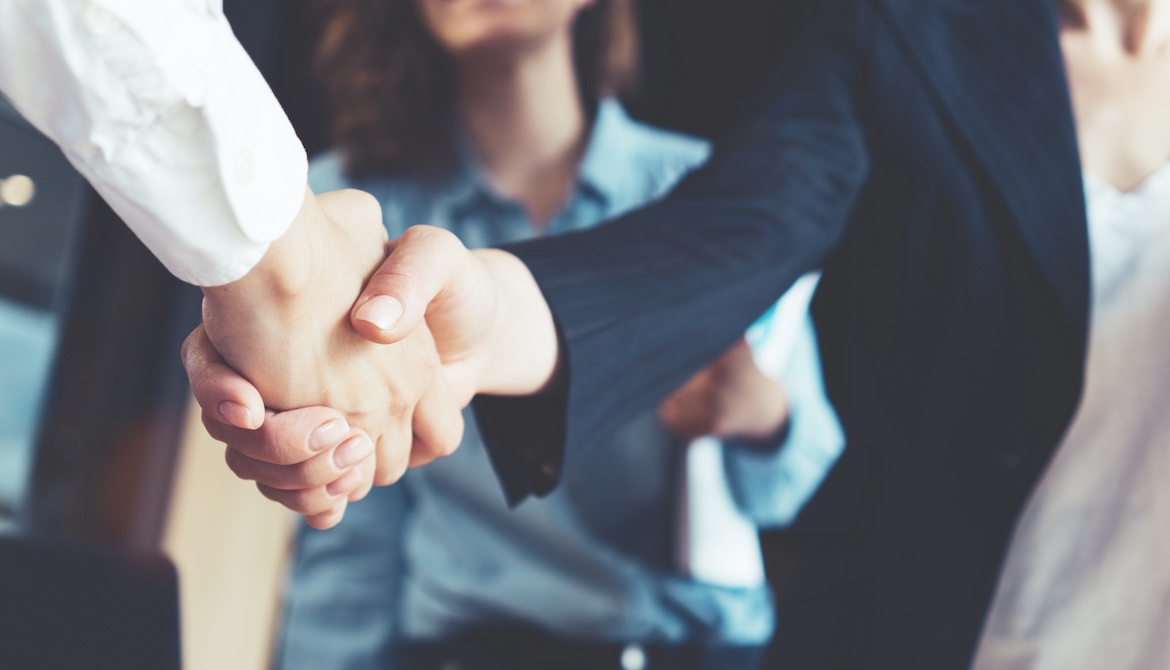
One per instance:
(311,409)
(322,388)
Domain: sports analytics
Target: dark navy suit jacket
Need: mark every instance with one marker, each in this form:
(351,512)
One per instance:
(924,153)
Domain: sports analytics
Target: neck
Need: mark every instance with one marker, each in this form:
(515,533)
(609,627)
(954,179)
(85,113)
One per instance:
(1121,27)
(526,124)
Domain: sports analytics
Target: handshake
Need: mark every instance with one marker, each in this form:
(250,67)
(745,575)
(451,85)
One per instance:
(343,359)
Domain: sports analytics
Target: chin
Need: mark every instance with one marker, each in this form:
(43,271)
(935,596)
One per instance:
(495,27)
(489,5)
(497,42)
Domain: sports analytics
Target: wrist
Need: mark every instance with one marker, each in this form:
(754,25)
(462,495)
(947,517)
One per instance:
(765,411)
(274,300)
(523,349)
(283,273)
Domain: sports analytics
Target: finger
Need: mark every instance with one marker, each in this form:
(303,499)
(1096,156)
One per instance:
(309,502)
(437,424)
(423,262)
(328,519)
(320,470)
(285,438)
(394,447)
(366,468)
(218,389)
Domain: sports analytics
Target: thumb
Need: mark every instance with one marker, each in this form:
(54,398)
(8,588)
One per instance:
(422,263)
(218,389)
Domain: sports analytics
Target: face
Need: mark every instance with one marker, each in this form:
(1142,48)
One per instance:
(497,27)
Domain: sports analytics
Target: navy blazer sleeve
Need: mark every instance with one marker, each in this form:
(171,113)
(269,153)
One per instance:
(645,301)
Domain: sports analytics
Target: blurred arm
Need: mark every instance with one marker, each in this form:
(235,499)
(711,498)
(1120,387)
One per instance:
(643,303)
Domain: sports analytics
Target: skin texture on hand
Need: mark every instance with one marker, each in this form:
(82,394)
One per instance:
(284,329)
(492,332)
(292,456)
(731,398)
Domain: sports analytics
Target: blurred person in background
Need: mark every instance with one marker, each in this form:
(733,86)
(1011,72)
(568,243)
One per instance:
(1085,582)
(494,120)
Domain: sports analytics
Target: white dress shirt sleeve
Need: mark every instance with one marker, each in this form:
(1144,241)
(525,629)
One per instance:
(157,105)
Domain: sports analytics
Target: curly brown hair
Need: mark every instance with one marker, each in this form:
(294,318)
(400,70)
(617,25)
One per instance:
(391,87)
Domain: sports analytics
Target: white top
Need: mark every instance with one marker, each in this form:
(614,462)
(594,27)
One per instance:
(156,103)
(1086,583)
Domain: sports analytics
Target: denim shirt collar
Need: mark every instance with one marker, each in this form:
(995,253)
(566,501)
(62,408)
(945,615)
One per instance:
(607,163)
(602,174)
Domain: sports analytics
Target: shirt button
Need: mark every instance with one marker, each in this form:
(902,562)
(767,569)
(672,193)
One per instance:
(1011,460)
(99,21)
(633,657)
(245,167)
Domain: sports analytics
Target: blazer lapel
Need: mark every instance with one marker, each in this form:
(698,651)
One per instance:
(998,70)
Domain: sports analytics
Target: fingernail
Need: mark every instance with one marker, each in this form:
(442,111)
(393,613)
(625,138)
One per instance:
(354,451)
(382,311)
(236,414)
(328,434)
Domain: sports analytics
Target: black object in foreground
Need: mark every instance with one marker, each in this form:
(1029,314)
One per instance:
(64,606)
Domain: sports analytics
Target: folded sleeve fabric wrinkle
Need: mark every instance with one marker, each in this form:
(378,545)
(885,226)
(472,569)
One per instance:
(158,106)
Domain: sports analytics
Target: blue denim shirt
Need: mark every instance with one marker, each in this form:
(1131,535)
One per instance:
(442,551)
